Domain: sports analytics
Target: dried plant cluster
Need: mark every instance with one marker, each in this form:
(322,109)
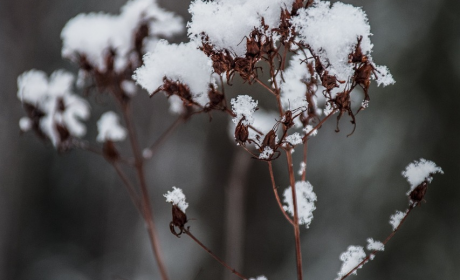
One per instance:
(311,57)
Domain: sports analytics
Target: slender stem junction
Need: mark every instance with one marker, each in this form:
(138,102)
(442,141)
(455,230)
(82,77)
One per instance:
(186,231)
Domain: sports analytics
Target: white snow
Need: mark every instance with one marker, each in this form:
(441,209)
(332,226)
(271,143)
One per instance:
(176,197)
(332,32)
(293,89)
(129,87)
(309,129)
(94,34)
(184,63)
(47,94)
(109,128)
(244,106)
(266,153)
(305,202)
(419,171)
(259,278)
(384,76)
(228,22)
(176,105)
(396,218)
(294,139)
(374,245)
(351,258)
(25,124)
(303,167)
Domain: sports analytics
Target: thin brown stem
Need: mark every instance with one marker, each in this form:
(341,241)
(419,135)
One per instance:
(412,206)
(275,191)
(265,86)
(318,125)
(146,207)
(129,187)
(154,147)
(186,231)
(86,146)
(275,84)
(296,216)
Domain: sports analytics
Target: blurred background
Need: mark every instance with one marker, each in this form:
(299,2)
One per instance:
(67,216)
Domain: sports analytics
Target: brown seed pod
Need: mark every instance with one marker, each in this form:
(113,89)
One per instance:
(419,192)
(241,132)
(179,221)
(330,82)
(362,77)
(109,151)
(269,141)
(288,120)
(357,56)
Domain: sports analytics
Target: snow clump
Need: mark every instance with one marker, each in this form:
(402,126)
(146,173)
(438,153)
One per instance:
(176,197)
(109,128)
(305,202)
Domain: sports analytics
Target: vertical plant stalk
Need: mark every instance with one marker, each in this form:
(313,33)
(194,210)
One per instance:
(296,216)
(186,231)
(275,191)
(129,187)
(235,197)
(145,199)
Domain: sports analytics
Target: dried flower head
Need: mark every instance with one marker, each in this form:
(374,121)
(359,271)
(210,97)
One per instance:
(177,198)
(419,174)
(53,110)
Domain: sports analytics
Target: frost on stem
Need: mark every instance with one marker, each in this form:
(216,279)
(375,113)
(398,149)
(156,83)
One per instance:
(396,219)
(92,37)
(351,258)
(109,128)
(266,153)
(374,245)
(294,139)
(303,167)
(53,111)
(305,202)
(309,130)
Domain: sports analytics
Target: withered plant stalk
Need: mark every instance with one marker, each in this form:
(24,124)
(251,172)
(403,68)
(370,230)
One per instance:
(224,264)
(277,197)
(145,204)
(298,251)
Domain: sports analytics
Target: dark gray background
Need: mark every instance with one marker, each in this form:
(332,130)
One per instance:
(68,216)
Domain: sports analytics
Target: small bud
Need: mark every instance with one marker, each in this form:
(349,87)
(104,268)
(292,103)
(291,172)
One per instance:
(241,132)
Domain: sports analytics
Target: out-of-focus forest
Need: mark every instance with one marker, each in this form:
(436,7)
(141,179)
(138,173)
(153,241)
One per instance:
(67,216)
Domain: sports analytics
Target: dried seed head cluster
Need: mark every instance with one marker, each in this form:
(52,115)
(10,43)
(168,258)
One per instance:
(54,112)
(329,51)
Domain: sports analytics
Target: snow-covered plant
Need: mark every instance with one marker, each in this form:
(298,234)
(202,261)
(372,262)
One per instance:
(54,112)
(314,55)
